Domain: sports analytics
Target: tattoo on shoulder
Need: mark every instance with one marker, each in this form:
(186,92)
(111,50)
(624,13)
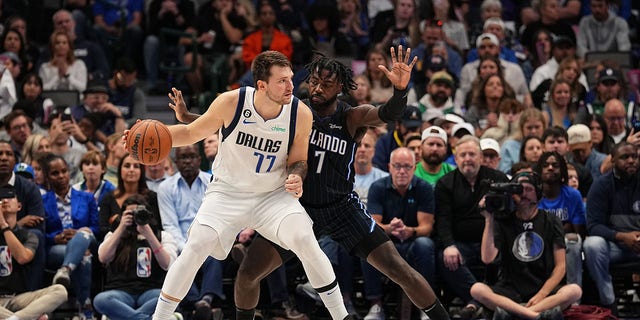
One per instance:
(299,168)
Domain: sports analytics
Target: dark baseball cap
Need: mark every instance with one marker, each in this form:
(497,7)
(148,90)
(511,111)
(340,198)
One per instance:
(412,117)
(563,41)
(609,74)
(436,62)
(96,88)
(7,191)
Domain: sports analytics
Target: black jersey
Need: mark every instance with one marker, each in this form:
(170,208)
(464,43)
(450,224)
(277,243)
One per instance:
(331,173)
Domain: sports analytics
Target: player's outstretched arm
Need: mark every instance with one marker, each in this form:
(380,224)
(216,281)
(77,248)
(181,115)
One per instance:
(400,72)
(399,75)
(219,113)
(179,107)
(297,160)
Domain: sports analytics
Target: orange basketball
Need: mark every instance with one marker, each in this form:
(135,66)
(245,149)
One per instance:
(149,141)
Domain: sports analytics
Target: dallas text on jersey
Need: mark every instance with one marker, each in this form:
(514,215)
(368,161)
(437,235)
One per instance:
(258,143)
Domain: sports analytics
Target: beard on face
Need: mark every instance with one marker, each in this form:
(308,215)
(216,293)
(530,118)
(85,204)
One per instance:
(433,159)
(321,105)
(439,98)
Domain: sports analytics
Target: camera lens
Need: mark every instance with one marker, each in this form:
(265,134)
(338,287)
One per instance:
(141,215)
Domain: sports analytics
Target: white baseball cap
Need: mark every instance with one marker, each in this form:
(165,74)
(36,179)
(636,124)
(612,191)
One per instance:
(463,125)
(579,133)
(489,144)
(436,132)
(492,37)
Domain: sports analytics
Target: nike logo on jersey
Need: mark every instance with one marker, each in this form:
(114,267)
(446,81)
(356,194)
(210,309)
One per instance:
(248,122)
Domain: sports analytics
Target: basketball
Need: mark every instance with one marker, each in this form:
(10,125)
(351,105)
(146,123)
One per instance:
(149,141)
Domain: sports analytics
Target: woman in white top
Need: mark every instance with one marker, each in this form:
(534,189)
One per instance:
(63,71)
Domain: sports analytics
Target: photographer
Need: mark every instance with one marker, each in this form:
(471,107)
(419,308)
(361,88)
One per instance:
(532,250)
(136,254)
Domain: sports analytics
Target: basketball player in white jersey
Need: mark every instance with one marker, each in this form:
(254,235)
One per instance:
(261,162)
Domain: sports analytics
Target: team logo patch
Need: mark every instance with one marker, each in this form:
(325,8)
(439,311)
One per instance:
(144,262)
(528,246)
(6,265)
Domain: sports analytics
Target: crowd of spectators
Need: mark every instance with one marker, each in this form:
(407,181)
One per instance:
(516,75)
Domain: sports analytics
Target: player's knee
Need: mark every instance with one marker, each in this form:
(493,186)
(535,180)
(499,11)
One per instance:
(302,241)
(479,290)
(249,273)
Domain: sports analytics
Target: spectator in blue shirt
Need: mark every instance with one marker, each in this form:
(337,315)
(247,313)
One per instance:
(71,224)
(566,203)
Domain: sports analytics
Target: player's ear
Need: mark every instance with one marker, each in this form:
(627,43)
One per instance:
(261,84)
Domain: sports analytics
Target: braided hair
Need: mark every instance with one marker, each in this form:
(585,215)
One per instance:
(344,75)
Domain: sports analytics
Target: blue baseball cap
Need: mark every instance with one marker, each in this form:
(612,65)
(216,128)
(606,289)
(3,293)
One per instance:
(24,170)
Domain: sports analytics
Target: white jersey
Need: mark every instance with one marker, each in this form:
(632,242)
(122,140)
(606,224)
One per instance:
(252,155)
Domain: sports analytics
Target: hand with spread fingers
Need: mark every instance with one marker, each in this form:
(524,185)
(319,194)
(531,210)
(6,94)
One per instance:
(400,72)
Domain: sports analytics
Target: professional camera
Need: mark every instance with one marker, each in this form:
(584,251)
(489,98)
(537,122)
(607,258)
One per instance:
(498,200)
(141,215)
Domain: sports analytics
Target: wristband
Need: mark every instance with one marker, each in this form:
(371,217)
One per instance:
(156,250)
(3,230)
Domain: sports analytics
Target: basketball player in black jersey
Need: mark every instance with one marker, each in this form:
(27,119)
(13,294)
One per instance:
(329,197)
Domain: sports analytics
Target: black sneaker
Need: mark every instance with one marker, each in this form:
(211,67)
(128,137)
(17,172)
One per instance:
(501,314)
(202,310)
(470,312)
(553,314)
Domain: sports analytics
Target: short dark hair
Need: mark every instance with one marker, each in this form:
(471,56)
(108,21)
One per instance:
(261,65)
(520,166)
(555,132)
(415,136)
(14,115)
(619,145)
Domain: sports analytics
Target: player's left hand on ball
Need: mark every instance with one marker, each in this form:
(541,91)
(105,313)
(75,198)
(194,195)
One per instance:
(123,140)
(293,185)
